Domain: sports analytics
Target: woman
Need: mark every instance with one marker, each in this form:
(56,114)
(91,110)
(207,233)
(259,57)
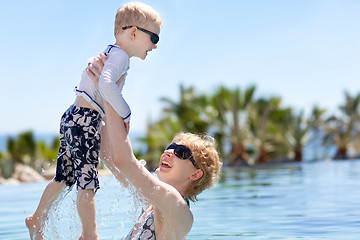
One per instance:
(189,165)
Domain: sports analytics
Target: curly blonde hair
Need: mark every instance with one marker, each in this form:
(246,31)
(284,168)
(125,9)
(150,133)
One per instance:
(135,14)
(204,152)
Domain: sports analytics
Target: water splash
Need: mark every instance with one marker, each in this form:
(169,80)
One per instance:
(62,217)
(142,162)
(117,208)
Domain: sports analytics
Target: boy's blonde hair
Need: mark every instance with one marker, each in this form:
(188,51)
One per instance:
(135,14)
(204,152)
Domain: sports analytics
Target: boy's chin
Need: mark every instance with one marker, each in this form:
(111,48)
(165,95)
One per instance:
(142,57)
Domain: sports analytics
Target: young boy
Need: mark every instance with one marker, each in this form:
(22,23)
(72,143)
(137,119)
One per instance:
(136,31)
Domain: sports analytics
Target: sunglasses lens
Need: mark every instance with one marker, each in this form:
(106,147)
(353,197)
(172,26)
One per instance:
(154,39)
(171,146)
(182,152)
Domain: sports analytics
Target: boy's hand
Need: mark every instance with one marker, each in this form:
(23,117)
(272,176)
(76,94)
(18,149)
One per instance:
(95,67)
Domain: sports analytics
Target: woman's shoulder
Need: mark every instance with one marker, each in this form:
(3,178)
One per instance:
(177,211)
(180,222)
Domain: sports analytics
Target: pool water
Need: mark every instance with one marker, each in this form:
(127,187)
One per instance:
(317,200)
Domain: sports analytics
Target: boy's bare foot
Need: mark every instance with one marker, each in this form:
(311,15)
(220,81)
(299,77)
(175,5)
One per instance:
(33,224)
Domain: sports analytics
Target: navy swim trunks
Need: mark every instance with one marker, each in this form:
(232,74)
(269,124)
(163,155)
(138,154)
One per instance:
(78,157)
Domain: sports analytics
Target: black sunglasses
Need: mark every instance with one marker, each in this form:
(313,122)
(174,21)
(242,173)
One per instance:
(153,36)
(182,152)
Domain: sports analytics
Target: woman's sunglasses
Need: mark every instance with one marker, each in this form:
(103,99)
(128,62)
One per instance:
(153,36)
(182,152)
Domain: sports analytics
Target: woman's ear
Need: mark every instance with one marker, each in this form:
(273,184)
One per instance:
(197,174)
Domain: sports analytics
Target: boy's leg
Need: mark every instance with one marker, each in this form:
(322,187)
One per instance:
(64,177)
(87,213)
(85,146)
(35,222)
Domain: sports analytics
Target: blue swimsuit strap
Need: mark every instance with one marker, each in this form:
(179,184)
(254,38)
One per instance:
(186,200)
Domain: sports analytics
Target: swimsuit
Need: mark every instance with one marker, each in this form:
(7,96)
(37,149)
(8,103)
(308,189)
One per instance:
(78,157)
(148,228)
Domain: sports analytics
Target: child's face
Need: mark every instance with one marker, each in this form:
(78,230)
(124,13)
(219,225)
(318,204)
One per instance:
(145,42)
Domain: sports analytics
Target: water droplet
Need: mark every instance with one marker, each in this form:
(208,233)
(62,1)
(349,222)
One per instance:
(142,162)
(157,188)
(42,170)
(34,226)
(48,164)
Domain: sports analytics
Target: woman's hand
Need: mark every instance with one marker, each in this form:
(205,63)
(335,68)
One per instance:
(94,69)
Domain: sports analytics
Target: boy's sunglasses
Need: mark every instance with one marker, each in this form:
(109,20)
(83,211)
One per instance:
(182,152)
(153,36)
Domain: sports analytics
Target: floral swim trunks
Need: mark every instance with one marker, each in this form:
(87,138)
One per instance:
(78,157)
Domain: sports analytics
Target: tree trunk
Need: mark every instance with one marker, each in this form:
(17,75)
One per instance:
(341,153)
(298,155)
(238,155)
(263,157)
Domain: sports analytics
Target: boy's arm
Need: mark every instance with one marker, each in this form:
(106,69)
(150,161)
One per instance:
(110,91)
(94,69)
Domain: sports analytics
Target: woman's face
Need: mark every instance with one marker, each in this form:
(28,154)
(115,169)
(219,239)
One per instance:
(174,170)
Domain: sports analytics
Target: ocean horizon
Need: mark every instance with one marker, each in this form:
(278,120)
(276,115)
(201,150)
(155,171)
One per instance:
(312,151)
(49,137)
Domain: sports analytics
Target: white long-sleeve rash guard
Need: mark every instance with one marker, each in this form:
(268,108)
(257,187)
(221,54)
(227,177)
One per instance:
(116,65)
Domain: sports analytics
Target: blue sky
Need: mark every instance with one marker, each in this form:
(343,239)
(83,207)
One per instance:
(307,52)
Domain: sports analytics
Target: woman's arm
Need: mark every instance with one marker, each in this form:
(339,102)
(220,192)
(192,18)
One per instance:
(174,211)
(162,195)
(105,156)
(118,148)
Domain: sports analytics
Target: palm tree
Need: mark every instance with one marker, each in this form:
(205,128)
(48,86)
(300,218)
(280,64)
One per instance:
(343,129)
(189,110)
(23,149)
(48,153)
(297,134)
(269,123)
(230,117)
(189,114)
(316,132)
